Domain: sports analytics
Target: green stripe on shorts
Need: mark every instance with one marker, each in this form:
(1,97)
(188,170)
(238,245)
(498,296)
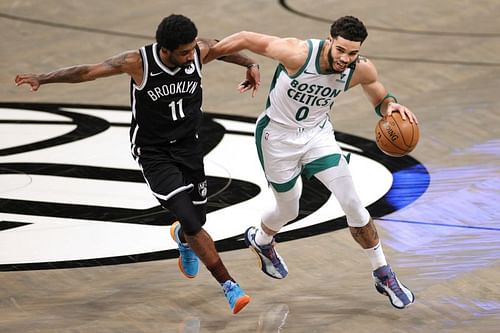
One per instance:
(323,163)
(285,186)
(263,122)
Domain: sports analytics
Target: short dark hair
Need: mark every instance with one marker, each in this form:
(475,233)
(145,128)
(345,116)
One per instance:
(175,30)
(350,28)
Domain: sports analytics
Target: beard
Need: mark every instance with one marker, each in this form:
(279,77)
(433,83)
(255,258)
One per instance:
(186,64)
(176,63)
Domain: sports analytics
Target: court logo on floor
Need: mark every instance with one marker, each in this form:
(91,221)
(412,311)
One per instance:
(72,196)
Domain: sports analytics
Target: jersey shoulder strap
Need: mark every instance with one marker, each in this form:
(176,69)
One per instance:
(315,46)
(311,64)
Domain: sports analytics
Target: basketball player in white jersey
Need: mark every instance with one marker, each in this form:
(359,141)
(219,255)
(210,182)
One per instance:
(294,136)
(166,97)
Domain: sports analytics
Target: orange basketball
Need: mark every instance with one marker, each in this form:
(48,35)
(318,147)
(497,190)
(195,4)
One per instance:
(395,136)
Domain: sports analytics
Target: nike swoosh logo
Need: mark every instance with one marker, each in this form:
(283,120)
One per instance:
(155,74)
(309,72)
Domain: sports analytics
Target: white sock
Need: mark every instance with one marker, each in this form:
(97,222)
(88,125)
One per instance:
(261,238)
(376,256)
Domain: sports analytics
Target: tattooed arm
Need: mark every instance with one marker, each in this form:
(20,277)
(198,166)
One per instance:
(129,62)
(384,102)
(252,81)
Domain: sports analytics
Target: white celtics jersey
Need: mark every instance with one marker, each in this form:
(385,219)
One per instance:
(304,99)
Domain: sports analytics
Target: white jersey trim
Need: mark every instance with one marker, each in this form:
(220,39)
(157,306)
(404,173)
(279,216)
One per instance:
(197,63)
(169,195)
(174,192)
(145,68)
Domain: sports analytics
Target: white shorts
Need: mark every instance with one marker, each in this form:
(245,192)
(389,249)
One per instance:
(285,152)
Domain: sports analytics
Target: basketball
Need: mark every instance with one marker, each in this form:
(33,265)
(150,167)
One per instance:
(396,137)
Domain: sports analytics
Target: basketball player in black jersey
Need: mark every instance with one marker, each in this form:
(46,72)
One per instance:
(166,98)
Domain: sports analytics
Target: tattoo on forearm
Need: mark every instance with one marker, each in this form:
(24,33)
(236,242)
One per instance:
(69,75)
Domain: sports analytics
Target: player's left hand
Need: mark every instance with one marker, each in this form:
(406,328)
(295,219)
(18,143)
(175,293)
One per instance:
(405,112)
(252,81)
(30,79)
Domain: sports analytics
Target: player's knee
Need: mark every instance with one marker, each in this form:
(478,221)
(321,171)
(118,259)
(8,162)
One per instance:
(192,217)
(345,192)
(191,228)
(357,217)
(201,211)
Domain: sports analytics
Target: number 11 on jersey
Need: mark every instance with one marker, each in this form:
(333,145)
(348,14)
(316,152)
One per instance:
(177,112)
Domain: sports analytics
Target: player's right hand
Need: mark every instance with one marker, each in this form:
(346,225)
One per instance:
(30,79)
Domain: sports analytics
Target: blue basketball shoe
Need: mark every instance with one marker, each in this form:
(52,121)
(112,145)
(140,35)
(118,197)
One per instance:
(387,284)
(270,261)
(188,260)
(235,296)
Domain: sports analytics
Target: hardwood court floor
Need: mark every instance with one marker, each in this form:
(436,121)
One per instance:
(440,58)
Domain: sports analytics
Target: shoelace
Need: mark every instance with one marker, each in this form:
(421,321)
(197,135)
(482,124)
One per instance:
(227,291)
(228,288)
(392,283)
(271,254)
(187,254)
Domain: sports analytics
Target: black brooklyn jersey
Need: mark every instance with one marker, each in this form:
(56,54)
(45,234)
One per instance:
(167,105)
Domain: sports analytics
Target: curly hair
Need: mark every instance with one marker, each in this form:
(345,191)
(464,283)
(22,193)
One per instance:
(350,28)
(175,30)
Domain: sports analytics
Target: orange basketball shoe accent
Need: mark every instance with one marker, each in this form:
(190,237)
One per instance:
(188,260)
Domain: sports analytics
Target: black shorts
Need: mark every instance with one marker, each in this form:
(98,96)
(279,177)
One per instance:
(174,168)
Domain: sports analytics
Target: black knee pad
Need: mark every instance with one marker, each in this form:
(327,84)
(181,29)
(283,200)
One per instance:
(191,217)
(201,210)
(190,229)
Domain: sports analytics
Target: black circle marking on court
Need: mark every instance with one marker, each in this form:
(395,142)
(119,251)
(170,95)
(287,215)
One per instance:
(410,181)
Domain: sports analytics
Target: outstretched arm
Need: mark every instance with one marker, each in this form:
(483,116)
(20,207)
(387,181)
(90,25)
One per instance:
(127,62)
(290,52)
(366,75)
(252,80)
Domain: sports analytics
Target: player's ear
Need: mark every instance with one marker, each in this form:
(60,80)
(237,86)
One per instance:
(164,50)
